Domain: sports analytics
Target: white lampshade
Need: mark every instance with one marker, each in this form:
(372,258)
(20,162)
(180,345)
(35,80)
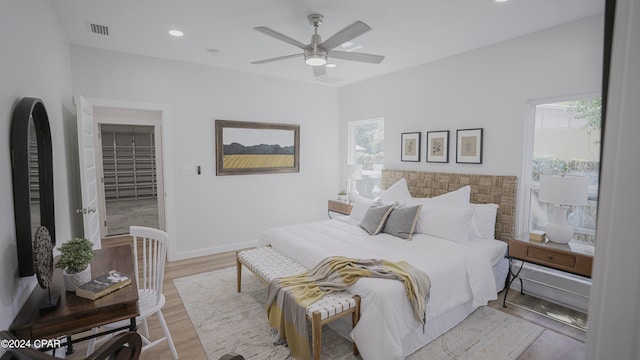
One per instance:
(563,190)
(354,171)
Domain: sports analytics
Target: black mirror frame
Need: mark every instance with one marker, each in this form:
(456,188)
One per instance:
(25,109)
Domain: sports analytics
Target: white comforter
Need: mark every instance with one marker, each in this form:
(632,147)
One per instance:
(459,274)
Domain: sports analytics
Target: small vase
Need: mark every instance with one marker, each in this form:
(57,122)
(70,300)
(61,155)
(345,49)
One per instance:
(72,281)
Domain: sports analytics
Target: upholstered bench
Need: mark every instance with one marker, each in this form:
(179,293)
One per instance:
(267,264)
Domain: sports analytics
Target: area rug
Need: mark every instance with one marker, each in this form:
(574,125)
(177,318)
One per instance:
(227,321)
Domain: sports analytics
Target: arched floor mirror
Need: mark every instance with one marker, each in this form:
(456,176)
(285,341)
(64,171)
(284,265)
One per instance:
(32,165)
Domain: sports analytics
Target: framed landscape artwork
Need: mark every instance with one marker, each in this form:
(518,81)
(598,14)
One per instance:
(244,147)
(469,146)
(438,146)
(410,146)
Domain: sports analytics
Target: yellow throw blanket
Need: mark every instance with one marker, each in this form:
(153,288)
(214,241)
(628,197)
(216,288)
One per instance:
(288,297)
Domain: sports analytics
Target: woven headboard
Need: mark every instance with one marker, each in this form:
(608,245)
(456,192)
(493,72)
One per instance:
(500,190)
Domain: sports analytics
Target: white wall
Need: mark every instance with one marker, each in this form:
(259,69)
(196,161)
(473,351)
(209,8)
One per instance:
(221,213)
(34,64)
(484,88)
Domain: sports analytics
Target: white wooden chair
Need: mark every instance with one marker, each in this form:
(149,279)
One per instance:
(149,277)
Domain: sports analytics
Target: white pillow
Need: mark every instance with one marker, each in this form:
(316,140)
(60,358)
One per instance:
(360,208)
(396,192)
(451,223)
(456,198)
(483,222)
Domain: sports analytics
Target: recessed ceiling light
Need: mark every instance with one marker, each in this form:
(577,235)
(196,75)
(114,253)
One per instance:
(176,33)
(500,1)
(331,65)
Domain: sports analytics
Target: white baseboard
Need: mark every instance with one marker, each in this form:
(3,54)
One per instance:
(213,250)
(576,297)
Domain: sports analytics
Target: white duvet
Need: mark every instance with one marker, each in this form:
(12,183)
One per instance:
(460,274)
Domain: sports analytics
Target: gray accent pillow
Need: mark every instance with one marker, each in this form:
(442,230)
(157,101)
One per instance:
(402,221)
(374,219)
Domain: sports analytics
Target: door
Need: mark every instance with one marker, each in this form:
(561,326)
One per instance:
(88,171)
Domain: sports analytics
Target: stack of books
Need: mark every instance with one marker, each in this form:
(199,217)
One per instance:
(537,236)
(103,285)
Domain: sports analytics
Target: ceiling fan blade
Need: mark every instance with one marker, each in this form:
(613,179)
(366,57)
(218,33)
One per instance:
(280,36)
(319,70)
(355,56)
(350,32)
(276,59)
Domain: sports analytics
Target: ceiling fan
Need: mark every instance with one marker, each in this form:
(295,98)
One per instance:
(316,53)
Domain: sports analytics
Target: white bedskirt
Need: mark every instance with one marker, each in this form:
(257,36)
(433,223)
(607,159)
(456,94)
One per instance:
(462,278)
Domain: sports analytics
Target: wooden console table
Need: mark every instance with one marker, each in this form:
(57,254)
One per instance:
(74,314)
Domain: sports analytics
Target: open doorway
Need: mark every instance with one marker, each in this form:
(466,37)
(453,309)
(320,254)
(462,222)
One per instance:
(129,173)
(129,154)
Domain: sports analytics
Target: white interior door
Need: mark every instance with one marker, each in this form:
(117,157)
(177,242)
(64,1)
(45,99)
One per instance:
(88,171)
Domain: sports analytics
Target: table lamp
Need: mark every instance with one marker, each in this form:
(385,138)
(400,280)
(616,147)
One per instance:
(562,191)
(354,173)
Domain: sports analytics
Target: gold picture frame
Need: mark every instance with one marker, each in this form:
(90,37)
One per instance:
(244,148)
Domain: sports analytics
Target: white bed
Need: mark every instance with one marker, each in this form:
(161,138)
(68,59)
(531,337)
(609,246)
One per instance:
(464,275)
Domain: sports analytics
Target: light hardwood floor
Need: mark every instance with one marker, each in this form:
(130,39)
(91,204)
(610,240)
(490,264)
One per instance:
(558,341)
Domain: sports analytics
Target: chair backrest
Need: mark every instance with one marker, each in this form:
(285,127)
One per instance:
(153,245)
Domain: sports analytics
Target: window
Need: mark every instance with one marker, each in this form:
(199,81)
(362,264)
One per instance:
(563,138)
(365,146)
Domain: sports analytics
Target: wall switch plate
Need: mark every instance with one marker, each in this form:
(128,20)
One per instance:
(188,170)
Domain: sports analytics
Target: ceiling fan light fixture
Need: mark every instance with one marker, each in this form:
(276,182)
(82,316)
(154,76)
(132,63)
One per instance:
(315,59)
(317,52)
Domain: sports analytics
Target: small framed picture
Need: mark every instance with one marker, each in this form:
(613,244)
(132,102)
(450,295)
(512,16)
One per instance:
(438,146)
(469,146)
(410,146)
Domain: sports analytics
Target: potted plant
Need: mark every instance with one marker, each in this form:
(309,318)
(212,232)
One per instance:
(342,195)
(75,260)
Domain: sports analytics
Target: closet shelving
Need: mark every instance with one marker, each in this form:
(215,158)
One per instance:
(34,172)
(34,185)
(129,166)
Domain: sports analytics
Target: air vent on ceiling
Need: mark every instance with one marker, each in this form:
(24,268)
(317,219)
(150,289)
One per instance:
(98,29)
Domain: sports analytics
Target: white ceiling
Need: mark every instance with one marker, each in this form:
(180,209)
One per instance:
(407,32)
